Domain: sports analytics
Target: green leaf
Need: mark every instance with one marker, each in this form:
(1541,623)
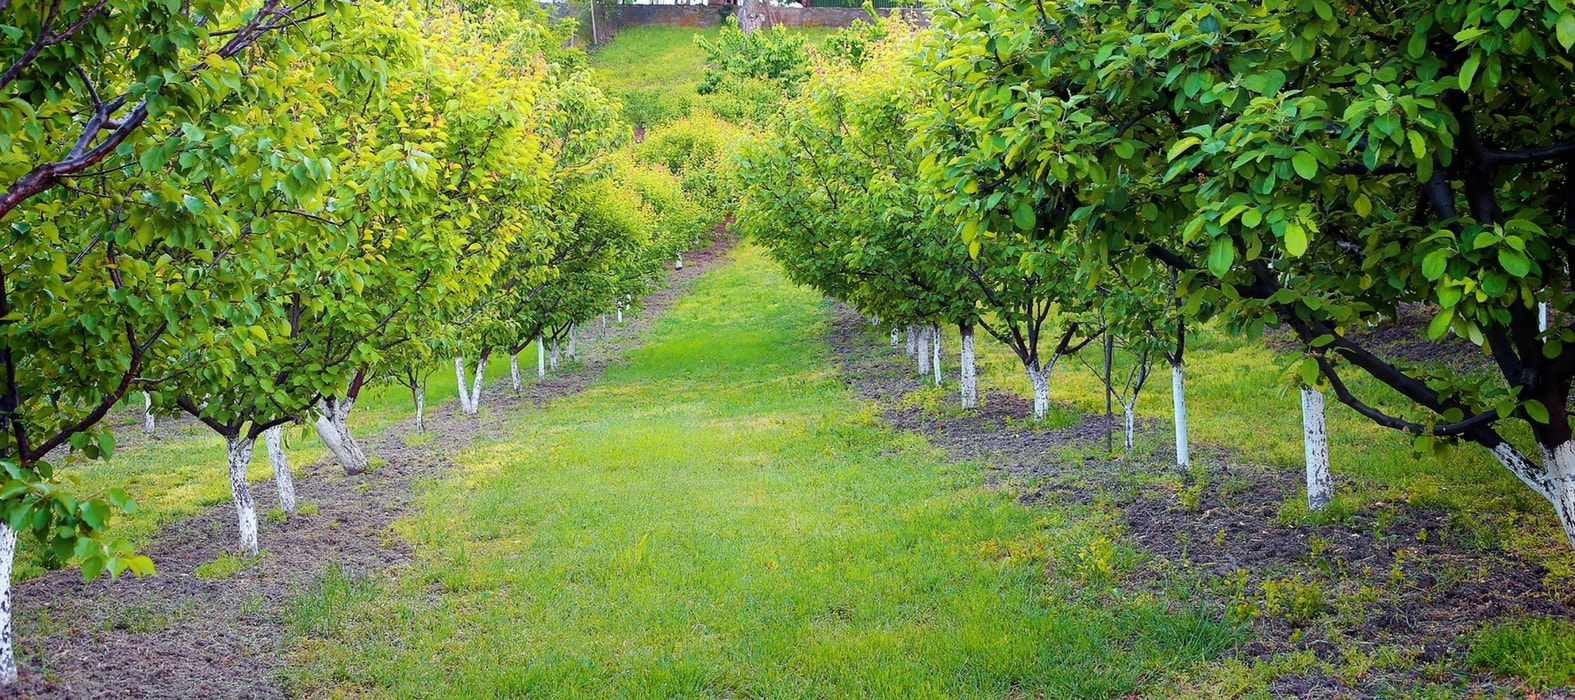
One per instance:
(1023,215)
(92,566)
(1295,240)
(1468,70)
(1536,410)
(1565,30)
(1181,146)
(1435,263)
(1306,165)
(1440,324)
(1221,254)
(1515,262)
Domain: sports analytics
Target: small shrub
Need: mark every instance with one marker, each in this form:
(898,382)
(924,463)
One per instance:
(1297,600)
(223,566)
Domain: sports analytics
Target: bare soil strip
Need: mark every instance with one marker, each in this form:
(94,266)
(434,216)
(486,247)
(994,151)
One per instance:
(174,635)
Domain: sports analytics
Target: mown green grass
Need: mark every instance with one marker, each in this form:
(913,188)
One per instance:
(719,518)
(183,471)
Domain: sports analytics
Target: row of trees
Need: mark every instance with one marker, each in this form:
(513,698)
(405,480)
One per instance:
(1055,172)
(248,211)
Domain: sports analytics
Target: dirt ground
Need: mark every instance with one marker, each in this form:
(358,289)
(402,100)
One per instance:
(174,635)
(1400,579)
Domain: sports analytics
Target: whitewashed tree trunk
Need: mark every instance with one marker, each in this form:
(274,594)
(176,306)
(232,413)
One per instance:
(1542,316)
(968,374)
(149,424)
(8,673)
(620,313)
(1320,486)
(1128,411)
(333,428)
(574,332)
(514,372)
(240,455)
(896,339)
(1178,401)
(421,409)
(924,346)
(679,264)
(935,353)
(475,386)
(1560,467)
(604,322)
(553,355)
(274,438)
(541,358)
(464,392)
(912,342)
(1039,378)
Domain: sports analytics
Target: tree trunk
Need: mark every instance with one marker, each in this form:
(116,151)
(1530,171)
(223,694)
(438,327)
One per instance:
(935,352)
(620,313)
(1560,465)
(421,408)
(679,265)
(1320,487)
(274,438)
(541,358)
(475,387)
(1039,377)
(912,350)
(969,378)
(574,332)
(896,339)
(149,424)
(333,428)
(1127,412)
(924,347)
(1178,400)
(464,393)
(8,674)
(240,454)
(750,16)
(553,355)
(514,372)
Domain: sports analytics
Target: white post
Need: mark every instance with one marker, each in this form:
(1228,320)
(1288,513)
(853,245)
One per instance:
(239,449)
(970,380)
(1178,400)
(1320,487)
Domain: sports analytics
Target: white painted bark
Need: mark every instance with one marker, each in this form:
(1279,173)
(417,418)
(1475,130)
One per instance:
(896,339)
(604,322)
(464,393)
(679,264)
(240,455)
(333,428)
(1039,378)
(924,346)
(149,424)
(274,438)
(1560,468)
(574,329)
(969,377)
(541,358)
(620,313)
(421,409)
(1542,316)
(1315,437)
(553,355)
(475,386)
(935,353)
(1128,411)
(1517,464)
(514,372)
(8,673)
(1178,401)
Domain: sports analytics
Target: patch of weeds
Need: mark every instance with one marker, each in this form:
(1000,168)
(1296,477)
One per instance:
(224,566)
(322,610)
(276,515)
(1297,600)
(1539,651)
(307,508)
(415,439)
(140,619)
(1294,512)
(1059,417)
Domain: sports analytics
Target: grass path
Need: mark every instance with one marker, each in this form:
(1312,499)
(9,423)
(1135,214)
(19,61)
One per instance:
(719,518)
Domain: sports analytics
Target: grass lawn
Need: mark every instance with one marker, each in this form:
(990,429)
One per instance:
(719,518)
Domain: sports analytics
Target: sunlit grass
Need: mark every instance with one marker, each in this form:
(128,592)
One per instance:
(719,518)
